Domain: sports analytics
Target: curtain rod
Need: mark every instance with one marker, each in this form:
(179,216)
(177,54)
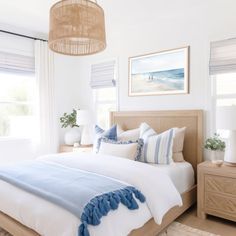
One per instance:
(22,35)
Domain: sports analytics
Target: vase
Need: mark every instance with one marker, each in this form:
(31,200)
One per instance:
(214,155)
(72,136)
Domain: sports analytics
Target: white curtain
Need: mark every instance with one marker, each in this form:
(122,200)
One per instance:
(44,68)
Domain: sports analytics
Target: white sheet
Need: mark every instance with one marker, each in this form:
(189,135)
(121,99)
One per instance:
(181,174)
(48,219)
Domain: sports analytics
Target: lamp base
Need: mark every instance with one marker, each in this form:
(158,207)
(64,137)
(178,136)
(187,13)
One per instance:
(86,137)
(229,164)
(230,151)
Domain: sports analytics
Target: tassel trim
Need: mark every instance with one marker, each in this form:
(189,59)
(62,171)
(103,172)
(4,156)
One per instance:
(101,205)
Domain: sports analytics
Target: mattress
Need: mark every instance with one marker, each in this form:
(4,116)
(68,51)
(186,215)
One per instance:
(181,174)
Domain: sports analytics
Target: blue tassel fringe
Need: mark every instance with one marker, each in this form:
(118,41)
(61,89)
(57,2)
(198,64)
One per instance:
(101,205)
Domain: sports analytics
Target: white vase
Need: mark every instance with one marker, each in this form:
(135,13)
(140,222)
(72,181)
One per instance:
(215,155)
(72,136)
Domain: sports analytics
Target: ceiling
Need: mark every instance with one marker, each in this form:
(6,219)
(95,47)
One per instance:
(32,16)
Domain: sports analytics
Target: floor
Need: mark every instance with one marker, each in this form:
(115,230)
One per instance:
(211,224)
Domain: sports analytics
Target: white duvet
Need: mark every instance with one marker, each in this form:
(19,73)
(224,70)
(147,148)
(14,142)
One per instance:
(51,220)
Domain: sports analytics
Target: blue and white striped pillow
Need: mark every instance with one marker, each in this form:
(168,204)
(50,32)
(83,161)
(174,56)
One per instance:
(157,148)
(100,133)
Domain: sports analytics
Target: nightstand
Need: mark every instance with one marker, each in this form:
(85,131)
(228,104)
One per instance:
(216,191)
(68,148)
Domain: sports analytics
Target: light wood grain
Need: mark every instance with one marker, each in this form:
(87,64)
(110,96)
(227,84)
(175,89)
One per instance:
(212,224)
(216,191)
(65,148)
(82,148)
(14,227)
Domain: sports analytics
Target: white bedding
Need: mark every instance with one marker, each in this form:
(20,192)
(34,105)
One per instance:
(181,174)
(50,220)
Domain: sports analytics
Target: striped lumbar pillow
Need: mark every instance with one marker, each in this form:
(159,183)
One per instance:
(157,147)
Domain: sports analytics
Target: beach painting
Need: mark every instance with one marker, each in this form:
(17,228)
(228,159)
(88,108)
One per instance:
(159,73)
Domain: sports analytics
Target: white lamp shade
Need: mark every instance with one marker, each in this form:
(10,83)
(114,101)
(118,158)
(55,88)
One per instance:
(226,117)
(83,117)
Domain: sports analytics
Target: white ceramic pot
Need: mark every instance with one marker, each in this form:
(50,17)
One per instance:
(214,155)
(72,136)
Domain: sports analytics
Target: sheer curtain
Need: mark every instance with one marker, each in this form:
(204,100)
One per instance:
(44,69)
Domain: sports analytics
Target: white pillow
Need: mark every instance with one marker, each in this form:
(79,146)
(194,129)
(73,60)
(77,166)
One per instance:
(129,135)
(178,144)
(121,150)
(129,150)
(146,131)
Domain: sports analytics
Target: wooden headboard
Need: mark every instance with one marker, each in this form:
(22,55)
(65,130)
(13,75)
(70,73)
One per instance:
(163,120)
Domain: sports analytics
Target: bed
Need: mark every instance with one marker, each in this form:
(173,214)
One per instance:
(160,121)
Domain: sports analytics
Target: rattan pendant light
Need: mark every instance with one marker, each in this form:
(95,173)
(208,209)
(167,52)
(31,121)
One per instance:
(77,27)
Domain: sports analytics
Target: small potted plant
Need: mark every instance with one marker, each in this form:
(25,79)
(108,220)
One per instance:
(215,147)
(73,134)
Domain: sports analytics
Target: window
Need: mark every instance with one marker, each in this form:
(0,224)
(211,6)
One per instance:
(103,83)
(222,69)
(105,101)
(17,103)
(224,94)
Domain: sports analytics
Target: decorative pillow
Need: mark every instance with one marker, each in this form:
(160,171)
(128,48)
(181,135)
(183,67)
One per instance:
(157,147)
(100,133)
(130,150)
(146,131)
(128,135)
(178,144)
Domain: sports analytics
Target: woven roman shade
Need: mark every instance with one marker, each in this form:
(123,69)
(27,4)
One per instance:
(20,63)
(103,75)
(223,57)
(77,27)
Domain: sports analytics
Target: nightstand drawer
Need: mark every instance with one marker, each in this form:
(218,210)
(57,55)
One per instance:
(220,205)
(220,184)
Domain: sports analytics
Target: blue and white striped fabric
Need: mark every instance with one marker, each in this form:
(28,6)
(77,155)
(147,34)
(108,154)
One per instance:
(146,131)
(101,133)
(157,147)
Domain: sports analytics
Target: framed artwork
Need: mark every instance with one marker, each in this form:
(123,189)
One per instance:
(165,72)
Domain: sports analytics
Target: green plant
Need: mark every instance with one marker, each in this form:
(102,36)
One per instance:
(215,143)
(69,120)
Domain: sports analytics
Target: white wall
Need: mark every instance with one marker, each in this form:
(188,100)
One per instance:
(69,92)
(140,27)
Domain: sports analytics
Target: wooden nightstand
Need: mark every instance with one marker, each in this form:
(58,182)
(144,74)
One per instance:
(67,148)
(216,191)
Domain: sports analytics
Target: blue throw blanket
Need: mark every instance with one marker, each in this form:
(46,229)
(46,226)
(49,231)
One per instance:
(86,195)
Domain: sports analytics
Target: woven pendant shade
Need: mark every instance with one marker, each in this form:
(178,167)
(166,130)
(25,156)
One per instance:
(77,27)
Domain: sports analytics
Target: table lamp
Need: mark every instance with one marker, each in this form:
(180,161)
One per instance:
(83,118)
(226,119)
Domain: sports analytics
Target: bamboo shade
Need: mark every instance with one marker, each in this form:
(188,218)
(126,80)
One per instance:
(77,27)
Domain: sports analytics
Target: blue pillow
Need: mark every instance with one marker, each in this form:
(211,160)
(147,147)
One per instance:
(101,133)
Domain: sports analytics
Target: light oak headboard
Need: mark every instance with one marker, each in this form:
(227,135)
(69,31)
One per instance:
(163,120)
